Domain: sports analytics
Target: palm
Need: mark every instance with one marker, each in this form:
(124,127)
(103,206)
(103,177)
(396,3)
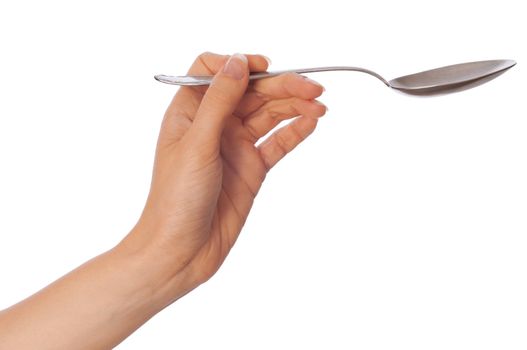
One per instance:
(243,171)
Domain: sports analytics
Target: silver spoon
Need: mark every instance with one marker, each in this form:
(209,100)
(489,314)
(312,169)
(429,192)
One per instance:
(431,82)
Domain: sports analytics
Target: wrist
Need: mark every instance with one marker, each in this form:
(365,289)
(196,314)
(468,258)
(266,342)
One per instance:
(153,269)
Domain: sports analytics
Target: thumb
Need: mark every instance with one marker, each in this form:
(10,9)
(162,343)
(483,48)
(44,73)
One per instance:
(222,97)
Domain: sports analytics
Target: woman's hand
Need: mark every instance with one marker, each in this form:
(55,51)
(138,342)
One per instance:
(208,169)
(207,172)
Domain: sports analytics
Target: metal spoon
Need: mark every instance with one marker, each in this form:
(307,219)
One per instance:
(431,82)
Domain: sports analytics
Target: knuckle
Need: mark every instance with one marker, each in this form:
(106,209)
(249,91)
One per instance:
(262,96)
(218,95)
(252,131)
(205,54)
(281,144)
(273,114)
(296,133)
(290,75)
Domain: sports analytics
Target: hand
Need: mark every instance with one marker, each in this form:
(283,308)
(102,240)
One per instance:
(208,169)
(207,172)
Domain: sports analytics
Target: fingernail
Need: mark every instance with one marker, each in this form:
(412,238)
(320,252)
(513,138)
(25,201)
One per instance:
(236,66)
(321,104)
(311,81)
(269,62)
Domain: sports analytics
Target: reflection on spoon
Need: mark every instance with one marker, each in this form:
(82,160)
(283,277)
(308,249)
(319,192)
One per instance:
(431,82)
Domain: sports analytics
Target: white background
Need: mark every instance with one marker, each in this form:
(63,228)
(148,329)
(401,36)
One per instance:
(400,224)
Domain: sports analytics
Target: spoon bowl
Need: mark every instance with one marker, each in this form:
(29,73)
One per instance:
(452,78)
(436,81)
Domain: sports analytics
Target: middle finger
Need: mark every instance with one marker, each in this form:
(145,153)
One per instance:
(279,87)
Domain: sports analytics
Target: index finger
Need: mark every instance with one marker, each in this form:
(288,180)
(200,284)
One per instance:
(188,98)
(209,63)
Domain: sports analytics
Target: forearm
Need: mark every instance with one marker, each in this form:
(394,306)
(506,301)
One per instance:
(95,306)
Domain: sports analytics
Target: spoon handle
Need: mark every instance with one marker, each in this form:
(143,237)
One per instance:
(196,80)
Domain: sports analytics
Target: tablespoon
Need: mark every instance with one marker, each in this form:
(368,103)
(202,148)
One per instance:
(431,82)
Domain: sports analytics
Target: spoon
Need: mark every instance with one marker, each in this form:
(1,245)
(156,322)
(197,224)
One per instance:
(431,82)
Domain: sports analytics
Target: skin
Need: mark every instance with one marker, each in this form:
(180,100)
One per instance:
(207,172)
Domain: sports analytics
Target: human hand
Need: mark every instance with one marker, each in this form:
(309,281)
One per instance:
(207,172)
(208,169)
